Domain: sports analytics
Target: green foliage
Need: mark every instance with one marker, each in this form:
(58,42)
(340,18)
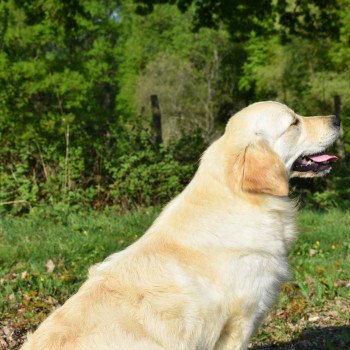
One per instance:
(193,74)
(190,97)
(152,175)
(58,84)
(17,186)
(76,79)
(311,18)
(318,243)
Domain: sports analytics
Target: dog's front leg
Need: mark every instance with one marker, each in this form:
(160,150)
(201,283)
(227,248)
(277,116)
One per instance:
(235,335)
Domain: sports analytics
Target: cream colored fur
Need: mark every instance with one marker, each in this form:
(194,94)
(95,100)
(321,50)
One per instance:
(209,268)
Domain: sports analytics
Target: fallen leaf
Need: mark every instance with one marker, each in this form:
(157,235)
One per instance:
(12,343)
(51,300)
(24,275)
(313,252)
(313,318)
(7,331)
(342,283)
(333,314)
(310,280)
(3,344)
(50,266)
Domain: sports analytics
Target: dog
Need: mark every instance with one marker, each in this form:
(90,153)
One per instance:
(209,268)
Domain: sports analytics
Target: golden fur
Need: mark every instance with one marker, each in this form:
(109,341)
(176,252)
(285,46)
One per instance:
(209,268)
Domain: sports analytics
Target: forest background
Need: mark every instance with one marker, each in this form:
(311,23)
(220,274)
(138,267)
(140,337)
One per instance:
(76,80)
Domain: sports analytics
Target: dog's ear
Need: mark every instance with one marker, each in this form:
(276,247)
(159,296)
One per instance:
(263,171)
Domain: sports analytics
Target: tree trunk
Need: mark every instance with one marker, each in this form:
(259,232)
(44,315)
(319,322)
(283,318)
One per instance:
(157,119)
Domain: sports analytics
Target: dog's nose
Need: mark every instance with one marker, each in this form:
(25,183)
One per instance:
(336,121)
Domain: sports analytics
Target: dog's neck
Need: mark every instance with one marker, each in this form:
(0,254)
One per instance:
(223,212)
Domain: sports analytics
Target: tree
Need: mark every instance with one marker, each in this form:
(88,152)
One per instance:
(58,83)
(188,97)
(241,18)
(195,75)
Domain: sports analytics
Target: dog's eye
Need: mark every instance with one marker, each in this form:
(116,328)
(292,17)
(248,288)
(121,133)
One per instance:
(295,122)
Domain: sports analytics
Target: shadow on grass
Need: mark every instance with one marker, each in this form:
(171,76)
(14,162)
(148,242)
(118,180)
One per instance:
(328,338)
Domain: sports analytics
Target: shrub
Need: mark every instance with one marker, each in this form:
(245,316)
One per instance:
(153,175)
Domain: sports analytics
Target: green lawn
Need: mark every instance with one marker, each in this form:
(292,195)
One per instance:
(312,313)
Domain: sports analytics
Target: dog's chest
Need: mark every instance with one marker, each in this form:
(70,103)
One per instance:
(251,273)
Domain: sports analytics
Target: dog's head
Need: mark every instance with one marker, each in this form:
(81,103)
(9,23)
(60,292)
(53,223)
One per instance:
(275,144)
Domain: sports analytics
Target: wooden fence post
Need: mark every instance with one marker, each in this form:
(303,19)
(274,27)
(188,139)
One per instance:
(340,141)
(157,118)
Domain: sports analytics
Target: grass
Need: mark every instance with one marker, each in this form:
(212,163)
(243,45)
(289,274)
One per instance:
(313,311)
(44,258)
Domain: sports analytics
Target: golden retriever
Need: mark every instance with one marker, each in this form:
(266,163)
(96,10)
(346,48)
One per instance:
(209,268)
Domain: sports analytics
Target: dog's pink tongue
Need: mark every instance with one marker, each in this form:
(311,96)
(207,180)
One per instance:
(324,158)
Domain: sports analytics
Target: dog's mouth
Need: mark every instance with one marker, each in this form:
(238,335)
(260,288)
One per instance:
(315,163)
